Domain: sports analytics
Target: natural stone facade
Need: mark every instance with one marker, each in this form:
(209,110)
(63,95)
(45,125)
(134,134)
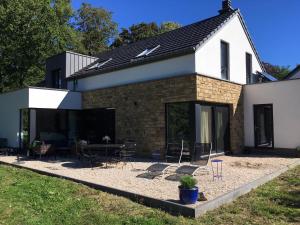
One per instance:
(218,91)
(140,108)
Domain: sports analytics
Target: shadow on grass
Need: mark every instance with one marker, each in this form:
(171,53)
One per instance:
(290,199)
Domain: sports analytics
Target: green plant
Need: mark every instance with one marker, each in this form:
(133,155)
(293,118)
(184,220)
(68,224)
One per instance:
(298,148)
(188,182)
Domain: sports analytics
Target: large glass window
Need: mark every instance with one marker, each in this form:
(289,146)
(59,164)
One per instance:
(221,121)
(203,124)
(56,79)
(97,123)
(225,60)
(212,126)
(198,122)
(24,129)
(180,123)
(249,68)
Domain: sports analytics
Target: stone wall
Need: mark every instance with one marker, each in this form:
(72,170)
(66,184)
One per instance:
(140,108)
(215,90)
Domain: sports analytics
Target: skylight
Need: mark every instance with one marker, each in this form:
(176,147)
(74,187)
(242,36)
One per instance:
(147,52)
(100,64)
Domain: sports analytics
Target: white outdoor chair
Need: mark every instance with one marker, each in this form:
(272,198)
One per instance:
(199,162)
(174,153)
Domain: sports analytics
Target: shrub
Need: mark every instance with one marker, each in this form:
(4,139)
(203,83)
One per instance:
(188,182)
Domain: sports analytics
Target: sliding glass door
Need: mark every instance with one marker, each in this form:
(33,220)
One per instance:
(221,118)
(212,126)
(198,122)
(180,123)
(203,124)
(263,124)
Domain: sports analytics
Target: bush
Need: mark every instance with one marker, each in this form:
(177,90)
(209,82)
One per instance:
(188,182)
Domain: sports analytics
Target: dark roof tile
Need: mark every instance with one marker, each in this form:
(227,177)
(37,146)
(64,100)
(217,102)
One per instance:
(179,41)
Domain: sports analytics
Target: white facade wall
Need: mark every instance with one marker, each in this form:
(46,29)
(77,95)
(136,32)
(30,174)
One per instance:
(285,97)
(54,99)
(296,75)
(206,61)
(152,71)
(208,56)
(11,103)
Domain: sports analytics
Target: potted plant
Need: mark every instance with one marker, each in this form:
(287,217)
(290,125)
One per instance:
(188,192)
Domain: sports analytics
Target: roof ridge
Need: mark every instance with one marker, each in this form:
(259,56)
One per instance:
(165,33)
(180,41)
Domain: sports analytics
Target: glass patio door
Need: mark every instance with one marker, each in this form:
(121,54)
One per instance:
(212,126)
(221,128)
(263,126)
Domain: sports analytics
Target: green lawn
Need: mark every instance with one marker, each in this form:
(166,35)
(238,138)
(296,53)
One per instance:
(30,198)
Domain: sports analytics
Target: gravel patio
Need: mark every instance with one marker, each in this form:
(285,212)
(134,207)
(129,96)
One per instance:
(237,171)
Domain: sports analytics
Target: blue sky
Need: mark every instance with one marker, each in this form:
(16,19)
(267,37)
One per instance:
(274,25)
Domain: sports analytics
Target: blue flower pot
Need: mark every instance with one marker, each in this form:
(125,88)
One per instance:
(188,196)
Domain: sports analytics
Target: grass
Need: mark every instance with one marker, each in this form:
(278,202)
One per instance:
(30,198)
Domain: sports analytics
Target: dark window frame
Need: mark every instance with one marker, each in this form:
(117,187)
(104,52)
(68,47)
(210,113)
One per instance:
(249,68)
(255,122)
(224,43)
(193,119)
(56,77)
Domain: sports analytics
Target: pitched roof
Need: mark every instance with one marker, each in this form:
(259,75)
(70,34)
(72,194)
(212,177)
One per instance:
(178,42)
(292,73)
(267,76)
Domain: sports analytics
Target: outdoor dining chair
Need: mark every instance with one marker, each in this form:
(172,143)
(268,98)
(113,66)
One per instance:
(40,149)
(3,146)
(128,153)
(84,153)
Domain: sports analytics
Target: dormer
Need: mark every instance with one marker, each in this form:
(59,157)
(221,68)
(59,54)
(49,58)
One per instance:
(61,66)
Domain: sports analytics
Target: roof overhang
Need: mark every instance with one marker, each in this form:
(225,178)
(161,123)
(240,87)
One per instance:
(42,98)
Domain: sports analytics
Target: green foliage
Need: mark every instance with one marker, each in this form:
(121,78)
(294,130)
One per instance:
(31,31)
(142,31)
(168,26)
(188,182)
(277,71)
(96,28)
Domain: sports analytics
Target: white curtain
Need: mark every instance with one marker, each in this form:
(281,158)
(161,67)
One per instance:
(205,130)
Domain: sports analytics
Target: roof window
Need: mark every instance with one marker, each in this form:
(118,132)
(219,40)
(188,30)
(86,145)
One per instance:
(147,52)
(100,64)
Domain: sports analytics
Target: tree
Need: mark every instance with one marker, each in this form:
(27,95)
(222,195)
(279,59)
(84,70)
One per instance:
(31,31)
(142,31)
(169,26)
(96,28)
(277,71)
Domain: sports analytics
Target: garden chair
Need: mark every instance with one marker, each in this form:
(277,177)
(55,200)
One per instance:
(175,152)
(199,161)
(39,148)
(3,146)
(128,153)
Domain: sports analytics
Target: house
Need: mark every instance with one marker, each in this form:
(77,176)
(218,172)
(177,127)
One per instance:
(294,74)
(196,83)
